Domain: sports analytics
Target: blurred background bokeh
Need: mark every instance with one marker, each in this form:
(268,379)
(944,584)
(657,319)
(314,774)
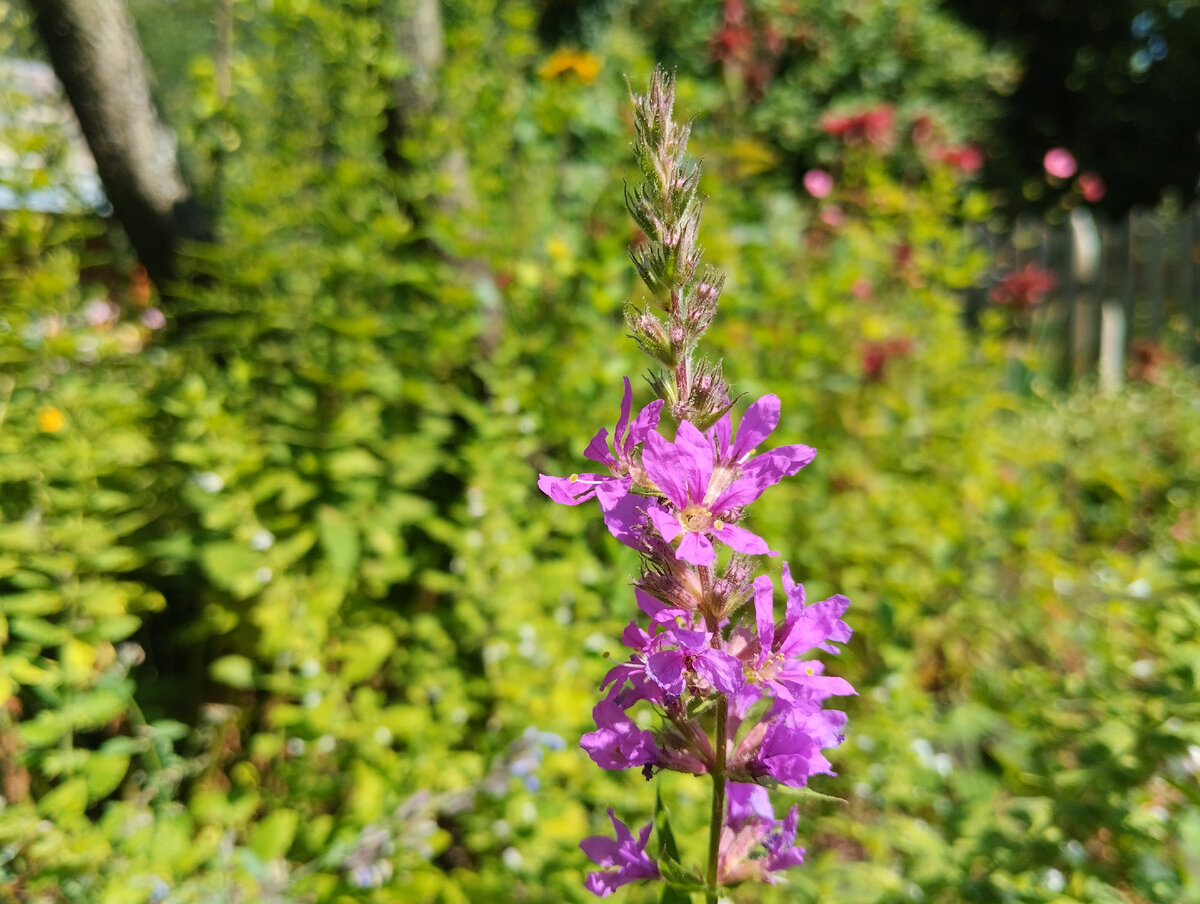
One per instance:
(284,617)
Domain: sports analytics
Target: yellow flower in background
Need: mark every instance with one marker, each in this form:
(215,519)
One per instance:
(558,249)
(566,60)
(50,419)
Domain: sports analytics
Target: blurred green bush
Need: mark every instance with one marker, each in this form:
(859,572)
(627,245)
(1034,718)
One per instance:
(284,617)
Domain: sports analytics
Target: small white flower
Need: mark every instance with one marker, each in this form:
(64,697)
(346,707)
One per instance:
(512,858)
(1054,880)
(209,481)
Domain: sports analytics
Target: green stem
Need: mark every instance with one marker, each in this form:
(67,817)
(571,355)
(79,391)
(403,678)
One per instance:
(718,803)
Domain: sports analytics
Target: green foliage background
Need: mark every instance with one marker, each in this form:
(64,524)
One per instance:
(284,617)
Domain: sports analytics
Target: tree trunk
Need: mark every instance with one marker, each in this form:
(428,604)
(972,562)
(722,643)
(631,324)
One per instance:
(416,27)
(95,53)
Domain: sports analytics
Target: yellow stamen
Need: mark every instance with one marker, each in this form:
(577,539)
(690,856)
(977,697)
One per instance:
(573,478)
(718,524)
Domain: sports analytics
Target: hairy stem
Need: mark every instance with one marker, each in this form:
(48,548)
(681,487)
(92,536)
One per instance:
(718,802)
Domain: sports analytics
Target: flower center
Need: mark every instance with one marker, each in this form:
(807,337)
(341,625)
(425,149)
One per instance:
(695,518)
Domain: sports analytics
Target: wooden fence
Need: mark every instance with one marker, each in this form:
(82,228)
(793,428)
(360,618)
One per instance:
(1125,295)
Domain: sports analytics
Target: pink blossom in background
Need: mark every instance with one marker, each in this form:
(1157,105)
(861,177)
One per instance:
(862,288)
(100,312)
(1092,187)
(1059,163)
(154,318)
(832,216)
(818,183)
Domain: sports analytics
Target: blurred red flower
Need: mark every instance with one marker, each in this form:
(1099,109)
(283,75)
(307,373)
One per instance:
(965,159)
(875,355)
(873,127)
(1024,288)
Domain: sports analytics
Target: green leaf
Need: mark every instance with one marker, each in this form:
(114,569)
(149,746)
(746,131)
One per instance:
(350,463)
(170,729)
(667,848)
(67,800)
(32,602)
(366,652)
(339,541)
(670,894)
(38,631)
(668,853)
(272,837)
(104,772)
(44,729)
(231,566)
(678,877)
(233,671)
(115,628)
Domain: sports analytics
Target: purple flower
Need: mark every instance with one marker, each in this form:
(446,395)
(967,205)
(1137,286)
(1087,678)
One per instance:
(617,742)
(750,823)
(708,477)
(759,422)
(624,852)
(778,670)
(608,489)
(632,673)
(695,654)
(683,472)
(790,748)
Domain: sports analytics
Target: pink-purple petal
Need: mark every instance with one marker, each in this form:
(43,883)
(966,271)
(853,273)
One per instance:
(597,449)
(612,491)
(661,461)
(741,492)
(625,521)
(643,424)
(664,522)
(566,491)
(759,421)
(724,672)
(743,540)
(764,615)
(696,456)
(696,549)
(721,432)
(771,467)
(665,669)
(626,407)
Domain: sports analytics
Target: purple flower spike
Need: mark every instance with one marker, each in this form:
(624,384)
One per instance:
(624,852)
(608,489)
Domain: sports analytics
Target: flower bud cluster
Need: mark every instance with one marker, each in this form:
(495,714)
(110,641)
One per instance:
(666,208)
